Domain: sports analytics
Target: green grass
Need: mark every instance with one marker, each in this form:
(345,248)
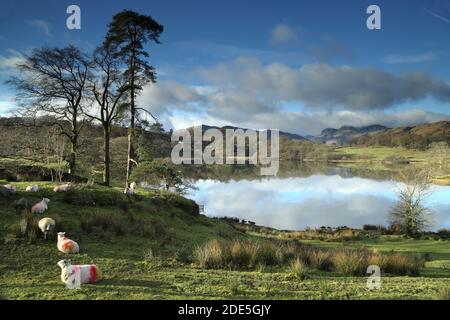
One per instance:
(437,249)
(379,153)
(164,224)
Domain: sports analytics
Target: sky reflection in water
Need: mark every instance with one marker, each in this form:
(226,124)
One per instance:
(319,200)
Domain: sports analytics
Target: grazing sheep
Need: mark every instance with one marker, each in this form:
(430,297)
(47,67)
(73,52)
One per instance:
(21,205)
(10,187)
(41,206)
(62,188)
(89,273)
(66,245)
(32,188)
(46,225)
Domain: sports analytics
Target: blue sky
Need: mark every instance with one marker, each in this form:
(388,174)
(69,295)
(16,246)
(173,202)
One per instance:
(293,65)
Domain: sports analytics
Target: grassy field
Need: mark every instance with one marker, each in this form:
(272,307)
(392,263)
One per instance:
(138,253)
(382,159)
(378,154)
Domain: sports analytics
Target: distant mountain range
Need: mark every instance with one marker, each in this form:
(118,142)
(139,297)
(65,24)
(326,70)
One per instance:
(346,134)
(418,136)
(411,136)
(290,136)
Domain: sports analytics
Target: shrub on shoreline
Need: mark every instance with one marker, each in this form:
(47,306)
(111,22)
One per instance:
(249,255)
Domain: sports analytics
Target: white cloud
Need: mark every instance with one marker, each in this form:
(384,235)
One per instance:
(11,60)
(282,33)
(41,25)
(248,93)
(305,123)
(165,97)
(323,86)
(418,58)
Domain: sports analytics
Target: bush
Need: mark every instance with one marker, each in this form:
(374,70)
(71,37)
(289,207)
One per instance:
(249,255)
(184,255)
(299,269)
(28,227)
(349,262)
(371,227)
(320,260)
(444,234)
(78,198)
(104,222)
(398,264)
(236,255)
(84,196)
(242,255)
(266,254)
(211,255)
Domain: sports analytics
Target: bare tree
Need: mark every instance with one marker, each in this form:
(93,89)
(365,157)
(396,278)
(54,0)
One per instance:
(52,81)
(410,212)
(108,87)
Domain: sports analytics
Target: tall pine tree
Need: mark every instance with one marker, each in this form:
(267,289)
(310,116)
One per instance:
(129,32)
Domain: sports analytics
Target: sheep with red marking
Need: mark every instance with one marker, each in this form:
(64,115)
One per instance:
(88,273)
(41,206)
(66,245)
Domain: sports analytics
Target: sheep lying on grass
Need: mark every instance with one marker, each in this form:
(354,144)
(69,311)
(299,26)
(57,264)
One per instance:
(89,273)
(46,225)
(21,205)
(66,245)
(32,188)
(8,189)
(41,206)
(62,188)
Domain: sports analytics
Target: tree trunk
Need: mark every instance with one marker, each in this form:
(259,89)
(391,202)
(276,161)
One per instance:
(73,155)
(131,131)
(74,143)
(106,156)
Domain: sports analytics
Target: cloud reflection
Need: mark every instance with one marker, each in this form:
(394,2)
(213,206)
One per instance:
(319,200)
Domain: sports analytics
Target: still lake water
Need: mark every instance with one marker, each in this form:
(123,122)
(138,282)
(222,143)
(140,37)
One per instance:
(313,201)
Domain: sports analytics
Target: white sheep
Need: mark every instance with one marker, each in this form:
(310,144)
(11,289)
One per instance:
(62,188)
(41,206)
(32,188)
(88,273)
(66,245)
(10,187)
(46,225)
(130,190)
